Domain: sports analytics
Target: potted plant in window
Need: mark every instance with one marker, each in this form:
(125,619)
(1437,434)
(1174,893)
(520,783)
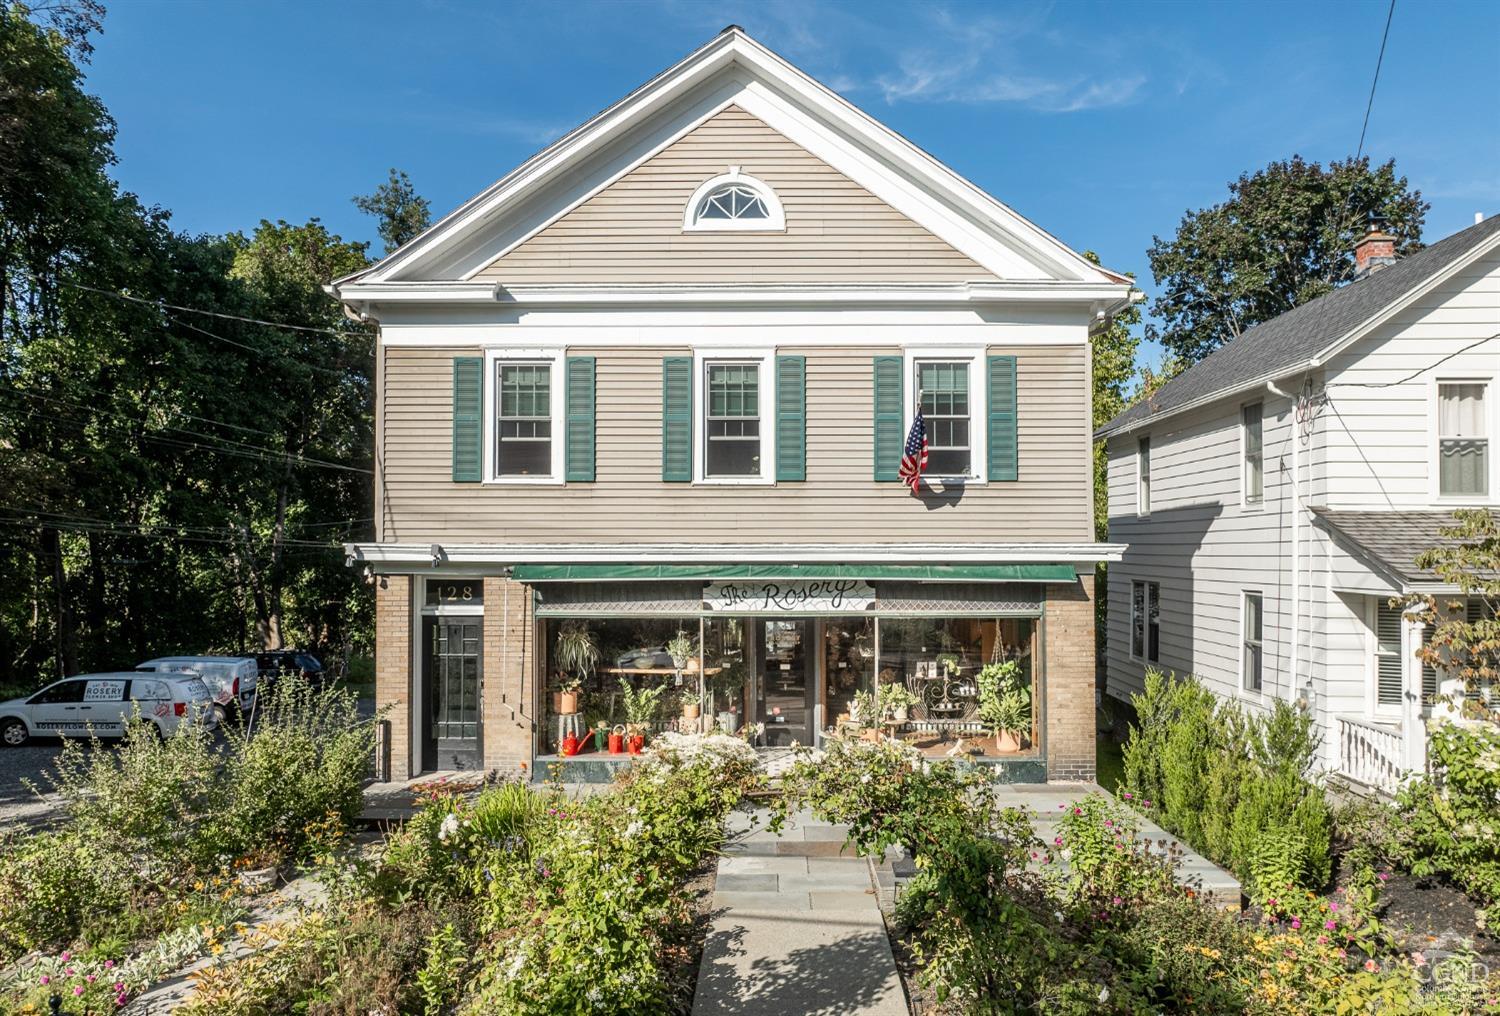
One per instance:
(692,706)
(683,651)
(567,695)
(575,652)
(896,701)
(641,708)
(1004,704)
(862,708)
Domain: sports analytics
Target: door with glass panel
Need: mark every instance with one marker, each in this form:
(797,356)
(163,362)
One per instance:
(451,665)
(785,699)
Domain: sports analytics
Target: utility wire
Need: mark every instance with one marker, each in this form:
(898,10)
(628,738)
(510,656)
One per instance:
(1416,373)
(197,310)
(134,526)
(252,349)
(1370,103)
(227,446)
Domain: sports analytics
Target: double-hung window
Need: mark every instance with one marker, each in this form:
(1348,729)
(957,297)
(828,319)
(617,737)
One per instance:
(1143,476)
(947,414)
(1252,618)
(1390,665)
(523,419)
(1145,621)
(1254,478)
(734,405)
(1463,439)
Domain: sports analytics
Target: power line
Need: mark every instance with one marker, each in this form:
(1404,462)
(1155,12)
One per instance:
(240,448)
(136,526)
(252,349)
(1370,103)
(105,528)
(1416,373)
(198,310)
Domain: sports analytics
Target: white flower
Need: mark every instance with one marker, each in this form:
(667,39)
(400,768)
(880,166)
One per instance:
(1103,995)
(865,778)
(634,829)
(448,828)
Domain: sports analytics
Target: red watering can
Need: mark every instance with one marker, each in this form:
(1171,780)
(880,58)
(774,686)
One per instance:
(617,740)
(570,744)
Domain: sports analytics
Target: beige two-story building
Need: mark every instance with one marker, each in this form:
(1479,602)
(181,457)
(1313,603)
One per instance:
(641,408)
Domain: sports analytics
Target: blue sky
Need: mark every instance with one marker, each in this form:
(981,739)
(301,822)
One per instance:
(1102,122)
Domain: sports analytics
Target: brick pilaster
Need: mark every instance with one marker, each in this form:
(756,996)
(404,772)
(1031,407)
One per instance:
(1069,620)
(393,666)
(509,697)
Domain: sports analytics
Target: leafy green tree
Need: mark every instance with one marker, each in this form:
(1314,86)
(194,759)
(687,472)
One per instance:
(1285,236)
(1113,348)
(1463,643)
(402,213)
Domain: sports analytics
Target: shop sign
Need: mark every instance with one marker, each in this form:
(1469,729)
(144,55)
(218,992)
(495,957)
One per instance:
(792,596)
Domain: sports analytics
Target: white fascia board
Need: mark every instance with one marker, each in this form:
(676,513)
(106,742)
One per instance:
(454,554)
(452,231)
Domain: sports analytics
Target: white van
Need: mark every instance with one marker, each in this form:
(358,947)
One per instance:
(230,679)
(102,704)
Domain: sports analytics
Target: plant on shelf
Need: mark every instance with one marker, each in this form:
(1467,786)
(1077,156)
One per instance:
(683,649)
(692,705)
(576,653)
(1005,703)
(949,662)
(895,701)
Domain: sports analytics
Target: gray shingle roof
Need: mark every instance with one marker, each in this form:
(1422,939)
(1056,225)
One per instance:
(1393,539)
(1290,340)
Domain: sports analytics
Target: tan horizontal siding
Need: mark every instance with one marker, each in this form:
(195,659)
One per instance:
(839,501)
(631,231)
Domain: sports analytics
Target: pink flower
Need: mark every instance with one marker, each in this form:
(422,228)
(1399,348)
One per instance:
(1109,823)
(119,985)
(1117,901)
(1330,925)
(120,998)
(1383,876)
(1371,966)
(1296,923)
(90,978)
(66,956)
(1057,840)
(78,989)
(1322,940)
(1334,907)
(46,979)
(1418,959)
(1127,795)
(109,964)
(1340,953)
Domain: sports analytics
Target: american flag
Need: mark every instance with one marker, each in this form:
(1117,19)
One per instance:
(914,458)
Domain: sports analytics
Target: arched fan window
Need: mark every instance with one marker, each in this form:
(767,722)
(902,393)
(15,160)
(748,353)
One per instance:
(733,201)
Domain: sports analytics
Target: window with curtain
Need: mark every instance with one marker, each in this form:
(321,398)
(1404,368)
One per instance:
(1250,418)
(1143,476)
(1463,439)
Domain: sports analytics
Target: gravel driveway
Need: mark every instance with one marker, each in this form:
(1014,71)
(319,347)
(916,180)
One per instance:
(17,802)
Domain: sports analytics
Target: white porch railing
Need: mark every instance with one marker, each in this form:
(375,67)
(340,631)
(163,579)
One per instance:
(1370,754)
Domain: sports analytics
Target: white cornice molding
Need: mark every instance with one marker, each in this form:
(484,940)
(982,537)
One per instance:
(458,554)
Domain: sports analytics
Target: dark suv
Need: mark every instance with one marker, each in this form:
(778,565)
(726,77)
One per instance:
(278,662)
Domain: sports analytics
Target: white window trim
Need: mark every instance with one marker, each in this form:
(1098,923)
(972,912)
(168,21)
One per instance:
(1434,439)
(978,404)
(1142,505)
(764,357)
(1245,502)
(1245,691)
(554,355)
(774,222)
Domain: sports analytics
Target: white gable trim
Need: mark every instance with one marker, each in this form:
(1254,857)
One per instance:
(949,206)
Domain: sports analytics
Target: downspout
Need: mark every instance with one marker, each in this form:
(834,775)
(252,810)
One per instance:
(1296,637)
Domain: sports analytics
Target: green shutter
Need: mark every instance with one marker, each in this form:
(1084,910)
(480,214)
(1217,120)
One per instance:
(888,417)
(580,422)
(791,418)
(677,419)
(468,403)
(1001,434)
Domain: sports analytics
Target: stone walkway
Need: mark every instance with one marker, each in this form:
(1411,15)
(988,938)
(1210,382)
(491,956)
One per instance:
(796,928)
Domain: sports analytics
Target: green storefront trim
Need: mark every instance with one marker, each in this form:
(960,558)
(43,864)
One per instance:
(710,573)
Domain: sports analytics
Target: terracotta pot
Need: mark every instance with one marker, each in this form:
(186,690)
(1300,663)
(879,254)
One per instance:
(557,702)
(1007,742)
(567,702)
(871,734)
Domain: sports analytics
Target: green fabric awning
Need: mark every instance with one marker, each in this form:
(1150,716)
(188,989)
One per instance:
(869,572)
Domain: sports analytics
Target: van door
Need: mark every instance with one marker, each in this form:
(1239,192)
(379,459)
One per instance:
(104,706)
(54,710)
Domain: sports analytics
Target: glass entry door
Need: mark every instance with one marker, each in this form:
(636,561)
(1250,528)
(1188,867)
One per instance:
(785,685)
(451,678)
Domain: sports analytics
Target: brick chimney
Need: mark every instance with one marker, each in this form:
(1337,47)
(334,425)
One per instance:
(1375,251)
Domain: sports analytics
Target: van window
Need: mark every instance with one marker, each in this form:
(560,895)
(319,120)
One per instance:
(63,691)
(148,690)
(104,691)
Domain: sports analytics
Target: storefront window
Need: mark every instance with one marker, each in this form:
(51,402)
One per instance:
(848,663)
(726,675)
(938,661)
(591,662)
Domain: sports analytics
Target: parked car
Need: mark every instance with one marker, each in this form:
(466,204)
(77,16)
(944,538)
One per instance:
(231,680)
(278,662)
(102,704)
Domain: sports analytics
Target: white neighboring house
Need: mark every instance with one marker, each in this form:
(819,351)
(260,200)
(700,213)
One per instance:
(1275,495)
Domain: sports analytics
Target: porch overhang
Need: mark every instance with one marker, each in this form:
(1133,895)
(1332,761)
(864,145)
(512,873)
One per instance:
(711,573)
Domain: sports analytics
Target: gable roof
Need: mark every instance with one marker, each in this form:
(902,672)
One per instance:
(1304,336)
(1394,539)
(732,68)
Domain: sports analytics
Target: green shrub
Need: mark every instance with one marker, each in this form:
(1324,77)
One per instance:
(1450,819)
(1236,786)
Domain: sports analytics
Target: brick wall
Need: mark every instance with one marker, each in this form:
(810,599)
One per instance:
(510,664)
(1069,621)
(393,669)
